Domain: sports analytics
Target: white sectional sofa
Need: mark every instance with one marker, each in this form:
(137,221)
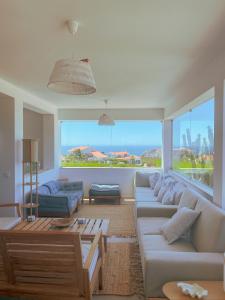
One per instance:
(145,201)
(199,257)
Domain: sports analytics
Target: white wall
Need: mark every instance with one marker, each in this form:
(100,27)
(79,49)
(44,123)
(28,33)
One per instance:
(33,129)
(122,176)
(7,150)
(12,135)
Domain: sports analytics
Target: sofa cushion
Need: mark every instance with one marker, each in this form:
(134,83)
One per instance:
(7,223)
(161,193)
(158,186)
(142,179)
(144,194)
(208,233)
(166,185)
(159,243)
(155,209)
(168,198)
(166,266)
(54,186)
(188,199)
(73,198)
(150,225)
(178,189)
(153,178)
(179,224)
(43,190)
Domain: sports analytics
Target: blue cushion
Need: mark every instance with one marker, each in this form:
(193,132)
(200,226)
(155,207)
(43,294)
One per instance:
(54,186)
(104,190)
(43,190)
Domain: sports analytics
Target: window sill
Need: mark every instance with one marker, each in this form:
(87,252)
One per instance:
(201,188)
(111,168)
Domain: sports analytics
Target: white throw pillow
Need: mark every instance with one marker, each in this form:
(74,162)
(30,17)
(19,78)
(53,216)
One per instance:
(168,198)
(178,191)
(161,193)
(179,224)
(153,178)
(158,186)
(188,199)
(164,188)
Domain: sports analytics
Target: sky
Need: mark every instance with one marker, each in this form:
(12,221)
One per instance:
(123,133)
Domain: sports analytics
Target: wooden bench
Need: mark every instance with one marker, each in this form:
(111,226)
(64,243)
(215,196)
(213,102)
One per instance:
(49,265)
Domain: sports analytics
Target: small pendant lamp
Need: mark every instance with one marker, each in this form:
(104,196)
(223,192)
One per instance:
(105,119)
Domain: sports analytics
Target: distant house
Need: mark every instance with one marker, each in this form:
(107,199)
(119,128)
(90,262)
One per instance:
(81,149)
(131,159)
(120,154)
(97,155)
(154,153)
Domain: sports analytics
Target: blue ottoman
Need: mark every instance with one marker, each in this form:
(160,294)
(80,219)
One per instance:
(104,192)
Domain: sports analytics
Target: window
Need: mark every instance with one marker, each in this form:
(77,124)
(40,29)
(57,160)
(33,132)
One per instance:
(193,143)
(127,144)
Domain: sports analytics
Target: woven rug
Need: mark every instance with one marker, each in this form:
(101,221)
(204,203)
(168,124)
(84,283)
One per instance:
(122,273)
(121,217)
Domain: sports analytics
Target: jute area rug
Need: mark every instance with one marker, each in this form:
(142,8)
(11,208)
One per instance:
(122,274)
(121,217)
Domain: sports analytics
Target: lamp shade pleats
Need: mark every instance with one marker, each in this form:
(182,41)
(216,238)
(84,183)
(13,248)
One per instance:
(70,76)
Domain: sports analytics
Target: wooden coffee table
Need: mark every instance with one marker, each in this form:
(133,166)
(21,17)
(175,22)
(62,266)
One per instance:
(215,289)
(90,228)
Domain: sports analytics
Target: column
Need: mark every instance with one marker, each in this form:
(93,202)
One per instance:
(167,145)
(219,149)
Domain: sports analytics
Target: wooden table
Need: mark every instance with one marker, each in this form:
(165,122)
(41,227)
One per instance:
(215,289)
(90,228)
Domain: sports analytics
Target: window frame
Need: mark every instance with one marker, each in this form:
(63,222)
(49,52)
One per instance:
(208,190)
(111,167)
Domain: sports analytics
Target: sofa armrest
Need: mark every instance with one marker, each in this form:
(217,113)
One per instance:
(72,186)
(141,179)
(165,266)
(53,200)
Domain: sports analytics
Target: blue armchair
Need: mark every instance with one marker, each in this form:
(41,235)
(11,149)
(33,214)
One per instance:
(59,199)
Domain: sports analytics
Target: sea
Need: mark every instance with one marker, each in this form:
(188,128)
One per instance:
(131,149)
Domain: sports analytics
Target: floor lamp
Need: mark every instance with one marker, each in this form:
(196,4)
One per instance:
(30,177)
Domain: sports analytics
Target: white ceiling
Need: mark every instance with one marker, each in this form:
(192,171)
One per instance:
(138,48)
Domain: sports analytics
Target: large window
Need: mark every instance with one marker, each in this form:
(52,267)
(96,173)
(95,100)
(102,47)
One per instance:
(193,143)
(127,144)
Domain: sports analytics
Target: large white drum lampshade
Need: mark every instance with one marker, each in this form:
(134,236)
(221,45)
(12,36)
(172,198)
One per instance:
(71,76)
